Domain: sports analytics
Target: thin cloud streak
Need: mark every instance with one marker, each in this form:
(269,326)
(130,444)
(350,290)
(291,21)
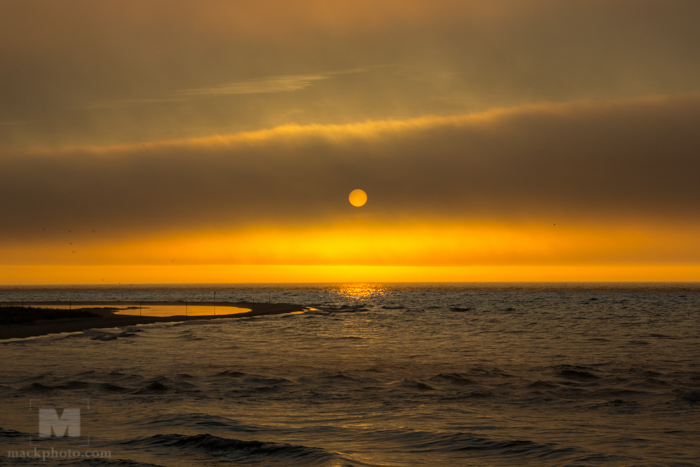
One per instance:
(268,85)
(273,84)
(118,103)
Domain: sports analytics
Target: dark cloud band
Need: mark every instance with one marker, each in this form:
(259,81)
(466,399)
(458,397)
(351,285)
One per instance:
(626,161)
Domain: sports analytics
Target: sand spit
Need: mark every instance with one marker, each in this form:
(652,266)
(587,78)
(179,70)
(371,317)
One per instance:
(108,319)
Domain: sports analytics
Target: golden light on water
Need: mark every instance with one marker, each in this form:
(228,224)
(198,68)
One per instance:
(358,198)
(358,291)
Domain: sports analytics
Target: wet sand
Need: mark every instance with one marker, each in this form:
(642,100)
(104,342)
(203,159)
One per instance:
(109,319)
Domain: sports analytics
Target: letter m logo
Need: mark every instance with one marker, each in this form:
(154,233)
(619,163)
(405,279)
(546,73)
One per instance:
(68,424)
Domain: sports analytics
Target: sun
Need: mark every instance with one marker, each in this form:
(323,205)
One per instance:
(358,198)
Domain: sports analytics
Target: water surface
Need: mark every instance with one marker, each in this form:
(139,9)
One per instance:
(377,374)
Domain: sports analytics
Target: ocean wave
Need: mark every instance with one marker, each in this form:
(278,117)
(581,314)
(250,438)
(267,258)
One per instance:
(576,375)
(266,380)
(485,394)
(492,372)
(412,384)
(154,387)
(111,463)
(16,461)
(691,396)
(543,385)
(4,433)
(574,372)
(477,446)
(230,374)
(337,376)
(163,385)
(453,378)
(72,385)
(99,335)
(113,388)
(36,388)
(652,383)
(198,420)
(232,450)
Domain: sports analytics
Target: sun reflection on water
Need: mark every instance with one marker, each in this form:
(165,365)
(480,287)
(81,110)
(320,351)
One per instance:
(359,290)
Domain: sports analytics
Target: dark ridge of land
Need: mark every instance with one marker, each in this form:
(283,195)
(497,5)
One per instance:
(52,321)
(27,315)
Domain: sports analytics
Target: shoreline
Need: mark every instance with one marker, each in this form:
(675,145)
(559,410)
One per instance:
(108,318)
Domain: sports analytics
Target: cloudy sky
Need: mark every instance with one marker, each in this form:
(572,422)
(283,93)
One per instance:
(217,141)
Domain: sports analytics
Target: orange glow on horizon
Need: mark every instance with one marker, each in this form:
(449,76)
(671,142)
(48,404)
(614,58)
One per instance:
(225,274)
(368,252)
(380,244)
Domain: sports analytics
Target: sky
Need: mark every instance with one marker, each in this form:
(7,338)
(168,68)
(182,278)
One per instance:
(218,141)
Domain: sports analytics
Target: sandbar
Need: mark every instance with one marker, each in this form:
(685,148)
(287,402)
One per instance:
(108,319)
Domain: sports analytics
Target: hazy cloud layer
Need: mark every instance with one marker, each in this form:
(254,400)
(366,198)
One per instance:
(633,161)
(111,71)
